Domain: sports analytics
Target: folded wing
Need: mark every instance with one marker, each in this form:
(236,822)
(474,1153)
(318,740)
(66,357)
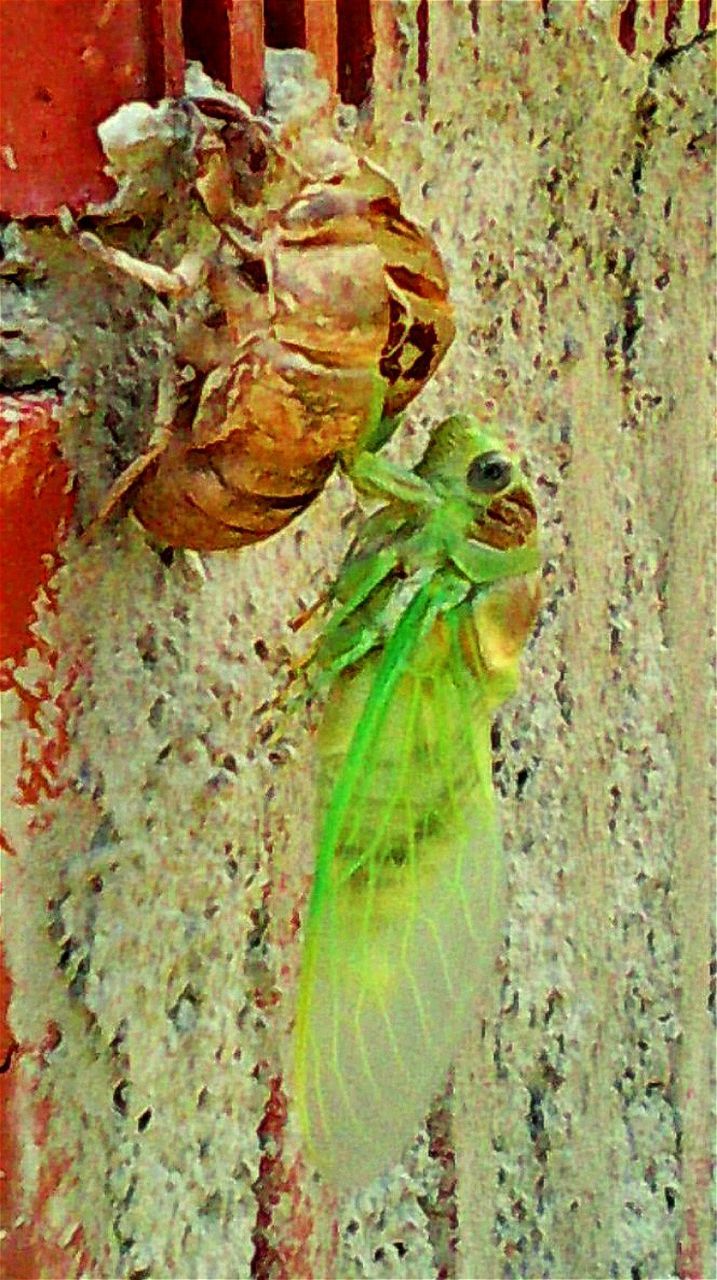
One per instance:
(408,893)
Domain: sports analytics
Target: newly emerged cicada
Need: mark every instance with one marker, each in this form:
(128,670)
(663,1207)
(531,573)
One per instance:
(310,311)
(431,611)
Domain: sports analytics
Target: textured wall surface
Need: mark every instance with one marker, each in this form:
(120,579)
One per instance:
(155,900)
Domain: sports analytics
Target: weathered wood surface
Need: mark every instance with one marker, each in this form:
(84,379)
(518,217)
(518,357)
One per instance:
(153,908)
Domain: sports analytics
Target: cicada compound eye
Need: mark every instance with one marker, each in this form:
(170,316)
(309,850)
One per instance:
(489,472)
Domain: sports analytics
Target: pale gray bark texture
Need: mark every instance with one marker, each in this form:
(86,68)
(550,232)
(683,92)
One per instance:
(570,188)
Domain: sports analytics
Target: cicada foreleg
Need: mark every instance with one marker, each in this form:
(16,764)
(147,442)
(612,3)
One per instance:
(328,656)
(483,564)
(176,283)
(129,477)
(379,478)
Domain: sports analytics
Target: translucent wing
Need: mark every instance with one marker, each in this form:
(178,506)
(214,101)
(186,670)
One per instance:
(408,889)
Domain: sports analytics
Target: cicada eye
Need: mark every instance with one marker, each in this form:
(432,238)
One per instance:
(489,472)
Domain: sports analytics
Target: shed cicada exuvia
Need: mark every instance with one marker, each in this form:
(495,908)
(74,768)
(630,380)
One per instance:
(309,312)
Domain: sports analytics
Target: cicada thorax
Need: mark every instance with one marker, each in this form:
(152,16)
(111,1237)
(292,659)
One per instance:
(329,309)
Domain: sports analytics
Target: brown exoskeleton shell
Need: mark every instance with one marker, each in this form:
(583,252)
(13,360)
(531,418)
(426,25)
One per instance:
(326,309)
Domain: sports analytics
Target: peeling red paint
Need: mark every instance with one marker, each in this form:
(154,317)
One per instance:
(294,1255)
(627,34)
(207,36)
(37,501)
(422,23)
(689,1252)
(35,480)
(247,50)
(25,1250)
(674,8)
(321,22)
(165,48)
(387,36)
(65,67)
(691,1262)
(443,1214)
(356,50)
(42,754)
(285,27)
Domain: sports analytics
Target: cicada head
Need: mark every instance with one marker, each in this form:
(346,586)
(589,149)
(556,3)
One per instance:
(471,466)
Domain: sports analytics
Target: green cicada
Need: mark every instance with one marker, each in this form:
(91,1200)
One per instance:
(431,610)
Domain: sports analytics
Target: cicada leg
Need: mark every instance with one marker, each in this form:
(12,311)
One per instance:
(378,478)
(356,582)
(484,564)
(181,280)
(315,677)
(381,431)
(295,624)
(242,237)
(319,666)
(129,477)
